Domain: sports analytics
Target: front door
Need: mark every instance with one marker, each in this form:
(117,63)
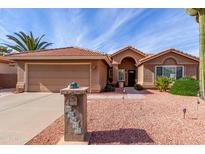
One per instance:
(131,77)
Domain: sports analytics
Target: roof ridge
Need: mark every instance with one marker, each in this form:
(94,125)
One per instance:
(127,47)
(183,52)
(45,50)
(88,49)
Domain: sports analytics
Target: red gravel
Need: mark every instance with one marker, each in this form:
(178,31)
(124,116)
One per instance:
(50,135)
(156,119)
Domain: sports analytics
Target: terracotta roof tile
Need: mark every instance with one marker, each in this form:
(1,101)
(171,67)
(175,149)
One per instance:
(4,60)
(152,56)
(67,51)
(128,47)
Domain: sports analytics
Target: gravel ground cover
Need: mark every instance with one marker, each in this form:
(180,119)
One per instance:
(155,119)
(50,135)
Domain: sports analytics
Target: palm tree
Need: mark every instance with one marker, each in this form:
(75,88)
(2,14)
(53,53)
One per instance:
(4,49)
(24,42)
(199,13)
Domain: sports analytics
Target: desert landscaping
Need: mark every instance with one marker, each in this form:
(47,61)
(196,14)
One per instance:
(152,118)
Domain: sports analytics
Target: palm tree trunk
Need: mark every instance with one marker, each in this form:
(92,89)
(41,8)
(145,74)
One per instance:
(202,53)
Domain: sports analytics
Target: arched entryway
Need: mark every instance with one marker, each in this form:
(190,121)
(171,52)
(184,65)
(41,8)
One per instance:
(128,66)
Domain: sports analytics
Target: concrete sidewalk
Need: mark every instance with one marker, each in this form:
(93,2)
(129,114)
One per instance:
(22,116)
(6,92)
(131,93)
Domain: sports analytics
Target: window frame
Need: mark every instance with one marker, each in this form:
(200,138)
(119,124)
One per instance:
(169,66)
(118,75)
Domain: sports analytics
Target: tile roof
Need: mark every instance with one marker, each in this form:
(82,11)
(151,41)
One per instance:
(67,51)
(152,56)
(4,60)
(128,47)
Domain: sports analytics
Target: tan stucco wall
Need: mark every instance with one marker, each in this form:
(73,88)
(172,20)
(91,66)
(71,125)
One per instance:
(8,75)
(178,58)
(140,74)
(127,53)
(7,69)
(103,70)
(97,73)
(117,60)
(191,67)
(115,72)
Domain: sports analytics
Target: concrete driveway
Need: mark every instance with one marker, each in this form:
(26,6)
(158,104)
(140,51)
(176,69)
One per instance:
(22,116)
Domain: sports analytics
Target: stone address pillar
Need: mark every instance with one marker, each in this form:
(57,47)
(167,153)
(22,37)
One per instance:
(75,113)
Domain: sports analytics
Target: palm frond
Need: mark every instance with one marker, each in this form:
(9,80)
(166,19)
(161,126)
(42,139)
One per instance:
(10,37)
(17,48)
(24,42)
(46,45)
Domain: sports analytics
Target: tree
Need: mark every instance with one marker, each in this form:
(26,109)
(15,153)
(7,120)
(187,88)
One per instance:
(199,14)
(24,42)
(4,49)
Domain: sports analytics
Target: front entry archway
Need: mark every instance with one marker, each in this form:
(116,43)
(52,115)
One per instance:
(128,65)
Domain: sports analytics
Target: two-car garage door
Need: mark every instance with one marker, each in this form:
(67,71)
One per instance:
(53,77)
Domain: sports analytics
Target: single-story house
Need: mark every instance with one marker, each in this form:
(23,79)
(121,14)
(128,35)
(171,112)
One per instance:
(53,69)
(8,73)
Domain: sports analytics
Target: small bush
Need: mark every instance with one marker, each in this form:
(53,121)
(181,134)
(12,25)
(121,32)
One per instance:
(186,86)
(138,87)
(109,87)
(162,83)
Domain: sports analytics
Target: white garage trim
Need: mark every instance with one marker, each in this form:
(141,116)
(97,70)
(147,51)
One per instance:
(26,71)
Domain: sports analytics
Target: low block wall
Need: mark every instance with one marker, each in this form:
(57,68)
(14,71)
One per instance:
(8,80)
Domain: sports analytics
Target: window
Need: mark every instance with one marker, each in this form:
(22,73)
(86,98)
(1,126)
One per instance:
(170,71)
(121,75)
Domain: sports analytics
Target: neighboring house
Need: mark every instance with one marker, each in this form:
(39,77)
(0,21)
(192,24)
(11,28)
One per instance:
(8,73)
(53,69)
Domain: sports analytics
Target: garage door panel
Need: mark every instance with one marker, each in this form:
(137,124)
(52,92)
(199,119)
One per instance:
(47,88)
(50,74)
(42,88)
(57,67)
(57,81)
(52,78)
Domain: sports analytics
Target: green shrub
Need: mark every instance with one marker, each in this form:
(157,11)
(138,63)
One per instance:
(109,87)
(186,86)
(138,86)
(162,83)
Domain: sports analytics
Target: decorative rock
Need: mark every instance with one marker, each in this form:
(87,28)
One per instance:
(74,85)
(72,113)
(74,119)
(68,109)
(76,124)
(78,131)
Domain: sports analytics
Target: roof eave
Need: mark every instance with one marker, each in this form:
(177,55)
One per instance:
(60,57)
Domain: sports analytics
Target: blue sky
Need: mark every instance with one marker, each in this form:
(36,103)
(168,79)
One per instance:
(149,30)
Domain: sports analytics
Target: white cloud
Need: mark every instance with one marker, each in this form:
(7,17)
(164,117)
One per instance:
(106,29)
